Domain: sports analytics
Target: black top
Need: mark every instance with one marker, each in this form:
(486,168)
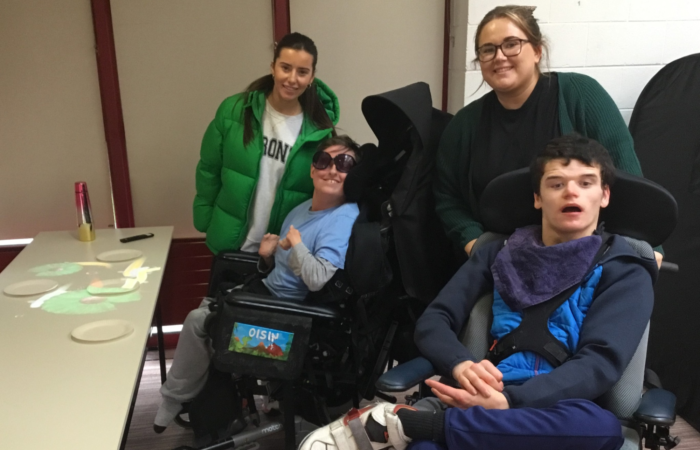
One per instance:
(508,139)
(666,134)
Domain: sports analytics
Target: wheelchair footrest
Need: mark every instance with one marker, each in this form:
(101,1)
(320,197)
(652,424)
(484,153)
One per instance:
(244,440)
(228,443)
(658,407)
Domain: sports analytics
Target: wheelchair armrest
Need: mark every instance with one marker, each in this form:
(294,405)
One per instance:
(658,407)
(266,303)
(669,266)
(239,256)
(405,376)
(230,268)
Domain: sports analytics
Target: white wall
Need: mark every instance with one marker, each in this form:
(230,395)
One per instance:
(620,43)
(178,60)
(368,47)
(51,129)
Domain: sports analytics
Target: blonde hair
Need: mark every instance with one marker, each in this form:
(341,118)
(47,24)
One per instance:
(523,18)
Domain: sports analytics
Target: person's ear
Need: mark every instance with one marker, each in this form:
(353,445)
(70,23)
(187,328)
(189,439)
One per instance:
(272,69)
(538,201)
(605,201)
(538,53)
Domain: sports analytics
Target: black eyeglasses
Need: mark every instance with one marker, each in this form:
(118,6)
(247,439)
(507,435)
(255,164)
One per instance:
(511,47)
(343,162)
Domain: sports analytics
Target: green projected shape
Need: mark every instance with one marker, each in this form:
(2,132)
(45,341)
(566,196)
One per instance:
(82,302)
(56,269)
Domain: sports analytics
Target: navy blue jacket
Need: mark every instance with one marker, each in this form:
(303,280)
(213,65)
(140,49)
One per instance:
(610,334)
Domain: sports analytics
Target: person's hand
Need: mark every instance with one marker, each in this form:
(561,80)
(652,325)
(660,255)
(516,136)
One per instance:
(268,245)
(468,247)
(480,378)
(659,258)
(293,238)
(459,398)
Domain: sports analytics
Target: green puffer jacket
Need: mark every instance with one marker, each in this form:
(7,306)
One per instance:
(227,173)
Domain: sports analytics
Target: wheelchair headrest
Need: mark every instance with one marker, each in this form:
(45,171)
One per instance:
(365,173)
(638,208)
(404,121)
(392,113)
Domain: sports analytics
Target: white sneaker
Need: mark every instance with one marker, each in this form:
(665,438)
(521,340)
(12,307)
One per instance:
(348,433)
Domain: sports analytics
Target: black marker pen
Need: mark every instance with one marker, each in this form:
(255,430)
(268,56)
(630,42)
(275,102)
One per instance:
(136,238)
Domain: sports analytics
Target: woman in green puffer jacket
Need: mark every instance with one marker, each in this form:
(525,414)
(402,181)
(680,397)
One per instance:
(256,153)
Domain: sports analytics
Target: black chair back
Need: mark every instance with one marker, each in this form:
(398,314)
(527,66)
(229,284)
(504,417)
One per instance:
(638,208)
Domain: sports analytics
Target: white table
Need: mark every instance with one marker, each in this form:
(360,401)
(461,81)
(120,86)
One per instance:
(58,393)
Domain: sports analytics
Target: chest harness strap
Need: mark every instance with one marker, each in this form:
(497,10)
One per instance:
(533,333)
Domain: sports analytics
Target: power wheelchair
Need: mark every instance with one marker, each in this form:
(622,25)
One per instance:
(506,204)
(343,336)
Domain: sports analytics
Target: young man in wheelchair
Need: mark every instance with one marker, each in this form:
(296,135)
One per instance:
(535,390)
(317,235)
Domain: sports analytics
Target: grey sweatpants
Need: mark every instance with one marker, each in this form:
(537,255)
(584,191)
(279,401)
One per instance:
(188,373)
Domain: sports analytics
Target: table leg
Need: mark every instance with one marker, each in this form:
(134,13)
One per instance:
(161,343)
(127,425)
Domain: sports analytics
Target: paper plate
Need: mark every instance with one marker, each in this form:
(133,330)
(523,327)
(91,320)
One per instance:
(113,287)
(102,330)
(31,287)
(123,254)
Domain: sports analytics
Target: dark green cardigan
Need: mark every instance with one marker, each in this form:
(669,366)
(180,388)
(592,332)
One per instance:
(584,107)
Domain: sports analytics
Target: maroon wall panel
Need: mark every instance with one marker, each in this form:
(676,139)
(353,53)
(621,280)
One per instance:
(112,113)
(185,280)
(446,55)
(281,19)
(7,254)
(185,283)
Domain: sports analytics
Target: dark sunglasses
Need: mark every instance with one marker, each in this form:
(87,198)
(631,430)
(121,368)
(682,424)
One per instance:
(343,162)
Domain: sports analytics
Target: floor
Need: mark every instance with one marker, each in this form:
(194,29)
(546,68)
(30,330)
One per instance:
(141,434)
(142,437)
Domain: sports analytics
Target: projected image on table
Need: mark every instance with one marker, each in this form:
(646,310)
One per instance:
(103,291)
(57,269)
(138,271)
(82,302)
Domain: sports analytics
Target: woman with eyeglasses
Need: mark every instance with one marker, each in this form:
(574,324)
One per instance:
(256,153)
(506,128)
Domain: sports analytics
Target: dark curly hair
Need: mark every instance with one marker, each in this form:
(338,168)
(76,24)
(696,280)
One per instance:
(573,146)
